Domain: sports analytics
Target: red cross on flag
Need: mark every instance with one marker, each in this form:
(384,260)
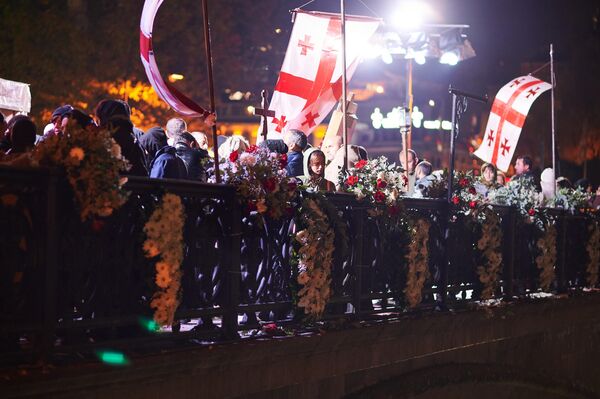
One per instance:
(169,94)
(509,110)
(310,81)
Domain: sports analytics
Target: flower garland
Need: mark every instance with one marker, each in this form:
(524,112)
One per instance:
(92,162)
(570,199)
(164,237)
(315,258)
(593,250)
(376,180)
(547,259)
(418,262)
(489,245)
(261,181)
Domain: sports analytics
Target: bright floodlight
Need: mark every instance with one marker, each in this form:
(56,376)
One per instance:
(386,57)
(420,58)
(411,14)
(450,58)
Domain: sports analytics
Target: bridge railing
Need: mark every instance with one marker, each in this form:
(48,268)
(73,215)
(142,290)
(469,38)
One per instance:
(68,286)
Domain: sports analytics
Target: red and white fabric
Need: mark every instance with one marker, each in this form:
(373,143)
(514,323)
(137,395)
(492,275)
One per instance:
(169,94)
(509,110)
(310,81)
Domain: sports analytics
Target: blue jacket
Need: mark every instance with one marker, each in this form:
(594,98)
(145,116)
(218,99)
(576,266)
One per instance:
(167,165)
(295,165)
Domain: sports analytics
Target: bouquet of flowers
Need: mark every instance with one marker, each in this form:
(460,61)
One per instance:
(465,195)
(376,180)
(570,199)
(92,162)
(520,193)
(261,180)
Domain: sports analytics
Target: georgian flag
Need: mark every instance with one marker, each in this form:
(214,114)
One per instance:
(310,81)
(509,110)
(169,94)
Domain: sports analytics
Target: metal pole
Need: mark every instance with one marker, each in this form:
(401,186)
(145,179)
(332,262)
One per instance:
(211,87)
(452,134)
(344,84)
(409,100)
(553,82)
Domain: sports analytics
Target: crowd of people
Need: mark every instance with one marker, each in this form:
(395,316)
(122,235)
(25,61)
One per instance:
(175,153)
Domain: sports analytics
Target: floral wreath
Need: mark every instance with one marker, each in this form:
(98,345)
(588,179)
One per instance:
(92,162)
(314,258)
(593,250)
(261,181)
(418,262)
(164,237)
(376,180)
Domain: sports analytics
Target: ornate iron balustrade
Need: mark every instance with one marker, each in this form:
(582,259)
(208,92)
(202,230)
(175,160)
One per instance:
(73,287)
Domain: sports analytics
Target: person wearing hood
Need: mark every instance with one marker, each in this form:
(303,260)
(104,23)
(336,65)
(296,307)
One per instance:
(113,115)
(314,171)
(152,141)
(167,165)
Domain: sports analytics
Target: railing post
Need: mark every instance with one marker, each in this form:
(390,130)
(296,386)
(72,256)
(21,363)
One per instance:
(357,257)
(49,269)
(233,270)
(509,264)
(445,217)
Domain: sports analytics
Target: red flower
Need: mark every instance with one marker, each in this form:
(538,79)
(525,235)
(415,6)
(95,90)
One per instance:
(270,184)
(381,183)
(472,190)
(360,164)
(463,182)
(252,149)
(405,179)
(393,210)
(472,204)
(379,196)
(531,212)
(283,161)
(455,200)
(233,156)
(352,180)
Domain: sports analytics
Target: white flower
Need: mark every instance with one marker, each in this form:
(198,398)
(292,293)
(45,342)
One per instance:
(247,159)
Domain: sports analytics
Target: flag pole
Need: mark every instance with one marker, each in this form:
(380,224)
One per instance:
(344,84)
(553,83)
(211,86)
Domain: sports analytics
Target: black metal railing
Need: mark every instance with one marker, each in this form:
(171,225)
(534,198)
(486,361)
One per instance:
(71,287)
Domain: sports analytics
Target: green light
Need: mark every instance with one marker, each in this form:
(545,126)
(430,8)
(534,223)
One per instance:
(113,358)
(149,324)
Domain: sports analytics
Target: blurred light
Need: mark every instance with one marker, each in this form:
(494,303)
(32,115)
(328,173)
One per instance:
(373,51)
(431,103)
(236,96)
(411,14)
(420,58)
(446,125)
(112,358)
(379,89)
(175,77)
(148,324)
(386,57)
(417,117)
(263,48)
(450,58)
(250,109)
(433,125)
(277,30)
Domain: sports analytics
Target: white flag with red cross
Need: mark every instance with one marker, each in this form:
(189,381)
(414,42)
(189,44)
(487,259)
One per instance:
(509,110)
(310,81)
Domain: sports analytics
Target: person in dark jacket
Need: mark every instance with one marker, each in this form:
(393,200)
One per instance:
(167,165)
(113,115)
(152,141)
(193,158)
(296,143)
